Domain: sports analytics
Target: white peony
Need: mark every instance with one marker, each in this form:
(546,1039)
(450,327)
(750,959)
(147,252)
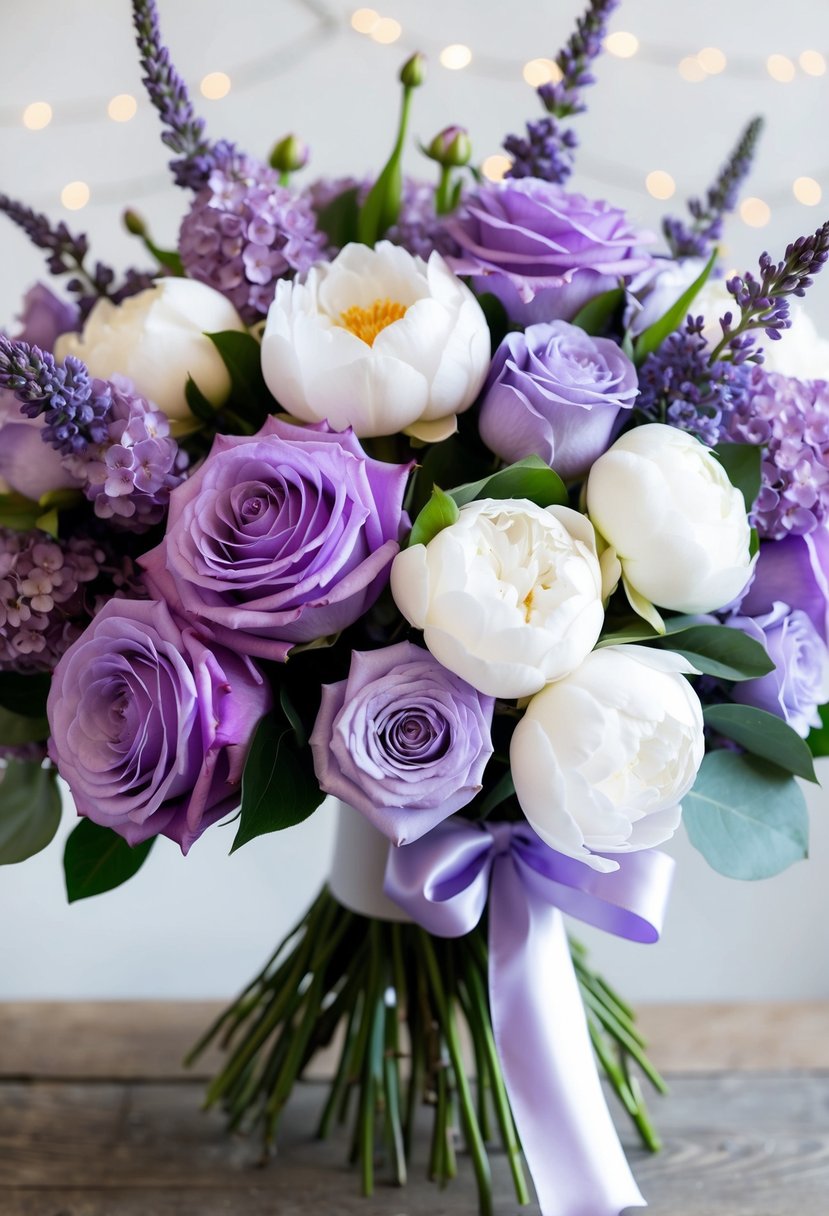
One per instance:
(377,340)
(678,526)
(602,758)
(508,597)
(157,339)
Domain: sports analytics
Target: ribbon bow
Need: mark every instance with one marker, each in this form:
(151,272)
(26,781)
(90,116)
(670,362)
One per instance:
(442,880)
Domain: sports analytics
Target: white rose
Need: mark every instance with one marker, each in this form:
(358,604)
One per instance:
(377,340)
(678,526)
(156,339)
(602,759)
(508,597)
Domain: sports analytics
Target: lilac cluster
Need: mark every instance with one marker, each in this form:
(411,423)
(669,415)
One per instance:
(679,385)
(67,255)
(74,406)
(245,231)
(130,474)
(791,419)
(419,228)
(548,149)
(46,599)
(694,240)
(184,133)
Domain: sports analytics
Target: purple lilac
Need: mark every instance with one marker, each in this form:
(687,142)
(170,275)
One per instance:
(695,240)
(74,406)
(419,228)
(184,133)
(548,149)
(790,418)
(244,231)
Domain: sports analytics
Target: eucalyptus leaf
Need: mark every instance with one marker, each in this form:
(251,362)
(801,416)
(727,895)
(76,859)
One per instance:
(655,334)
(279,788)
(746,817)
(529,478)
(440,512)
(29,810)
(596,316)
(743,464)
(765,735)
(96,860)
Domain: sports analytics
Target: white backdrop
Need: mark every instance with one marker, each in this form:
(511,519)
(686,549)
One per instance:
(198,927)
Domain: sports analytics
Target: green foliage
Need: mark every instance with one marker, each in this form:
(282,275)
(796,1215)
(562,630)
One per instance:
(818,740)
(717,650)
(338,220)
(743,464)
(279,788)
(439,512)
(16,730)
(96,860)
(655,335)
(746,817)
(598,314)
(529,478)
(25,694)
(197,403)
(29,810)
(764,735)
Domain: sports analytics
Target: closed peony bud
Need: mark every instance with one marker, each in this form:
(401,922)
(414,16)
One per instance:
(451,147)
(289,155)
(413,72)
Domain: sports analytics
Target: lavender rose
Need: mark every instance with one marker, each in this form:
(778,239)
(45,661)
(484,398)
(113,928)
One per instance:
(543,251)
(402,740)
(800,680)
(794,570)
(555,392)
(150,728)
(280,538)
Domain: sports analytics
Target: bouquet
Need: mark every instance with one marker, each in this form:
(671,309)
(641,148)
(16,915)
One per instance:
(467,506)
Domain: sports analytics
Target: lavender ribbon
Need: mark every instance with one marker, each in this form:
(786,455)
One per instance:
(442,881)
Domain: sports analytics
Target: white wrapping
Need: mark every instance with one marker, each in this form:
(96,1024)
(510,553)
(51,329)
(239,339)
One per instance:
(358,865)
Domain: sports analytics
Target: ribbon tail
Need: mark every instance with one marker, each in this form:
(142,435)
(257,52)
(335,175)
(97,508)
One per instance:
(571,1146)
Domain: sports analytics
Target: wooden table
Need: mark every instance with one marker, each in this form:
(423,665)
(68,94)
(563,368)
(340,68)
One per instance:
(98,1119)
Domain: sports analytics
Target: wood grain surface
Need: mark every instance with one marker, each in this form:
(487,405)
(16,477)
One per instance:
(98,1119)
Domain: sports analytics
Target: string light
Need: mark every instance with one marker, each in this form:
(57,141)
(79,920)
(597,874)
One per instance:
(621,44)
(807,191)
(812,63)
(691,69)
(386,30)
(495,167)
(456,56)
(541,71)
(37,115)
(660,184)
(74,195)
(122,108)
(754,212)
(363,20)
(215,85)
(712,60)
(780,68)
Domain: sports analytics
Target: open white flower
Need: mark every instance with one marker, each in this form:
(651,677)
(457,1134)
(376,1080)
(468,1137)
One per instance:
(602,758)
(678,526)
(156,339)
(377,340)
(508,597)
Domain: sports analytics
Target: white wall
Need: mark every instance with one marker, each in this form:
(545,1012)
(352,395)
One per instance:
(199,927)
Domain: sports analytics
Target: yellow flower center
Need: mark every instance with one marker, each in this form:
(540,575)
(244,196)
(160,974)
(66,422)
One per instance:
(367,323)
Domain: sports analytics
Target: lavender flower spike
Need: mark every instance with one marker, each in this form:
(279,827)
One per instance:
(548,150)
(694,240)
(183,132)
(75,407)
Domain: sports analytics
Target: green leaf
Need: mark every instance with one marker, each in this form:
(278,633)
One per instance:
(289,710)
(444,464)
(530,478)
(242,356)
(97,859)
(18,512)
(718,650)
(338,220)
(743,464)
(765,735)
(818,740)
(746,817)
(279,788)
(496,317)
(29,810)
(25,694)
(597,314)
(439,512)
(16,729)
(655,334)
(636,632)
(198,404)
(503,789)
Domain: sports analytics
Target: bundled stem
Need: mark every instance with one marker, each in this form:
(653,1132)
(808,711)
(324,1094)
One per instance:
(400,1000)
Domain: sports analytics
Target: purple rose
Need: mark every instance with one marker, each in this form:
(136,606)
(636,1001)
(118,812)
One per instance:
(555,392)
(543,251)
(150,728)
(795,571)
(28,465)
(280,538)
(800,680)
(402,739)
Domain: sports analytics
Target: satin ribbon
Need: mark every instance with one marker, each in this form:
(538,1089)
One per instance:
(443,881)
